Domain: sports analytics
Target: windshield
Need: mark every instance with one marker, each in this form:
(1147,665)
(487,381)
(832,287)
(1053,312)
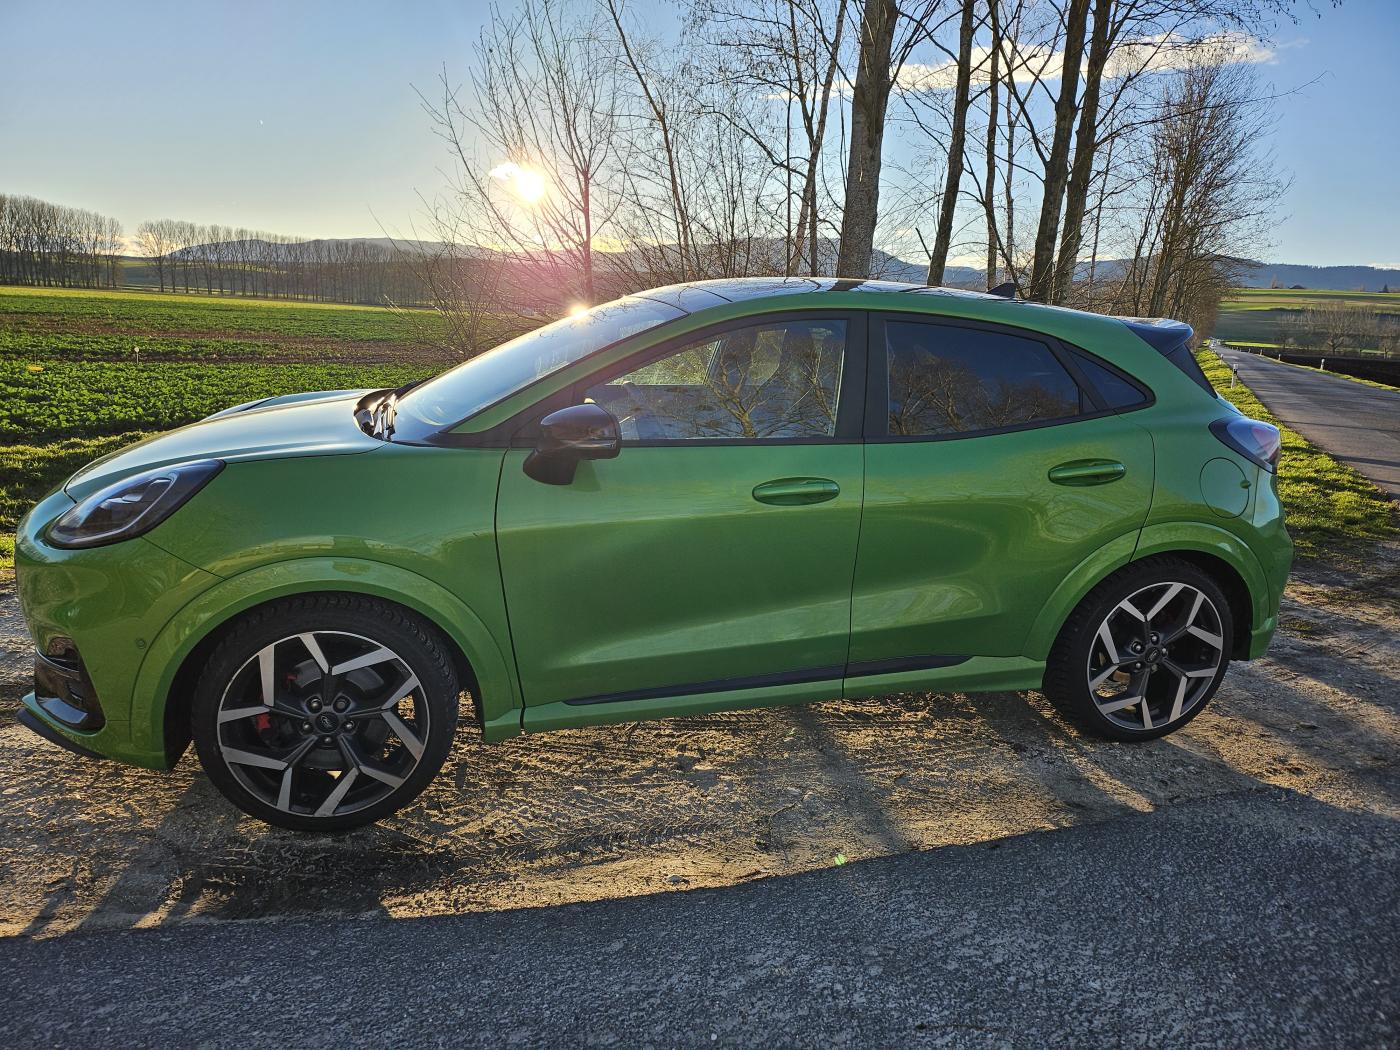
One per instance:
(483,381)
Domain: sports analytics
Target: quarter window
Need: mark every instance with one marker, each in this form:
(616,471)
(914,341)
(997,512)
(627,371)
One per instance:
(1116,391)
(946,380)
(772,381)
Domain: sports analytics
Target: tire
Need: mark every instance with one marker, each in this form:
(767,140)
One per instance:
(1143,653)
(326,763)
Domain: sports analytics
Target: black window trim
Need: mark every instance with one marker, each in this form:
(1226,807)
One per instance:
(877,382)
(850,400)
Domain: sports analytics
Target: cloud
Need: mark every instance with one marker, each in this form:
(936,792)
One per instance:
(1161,53)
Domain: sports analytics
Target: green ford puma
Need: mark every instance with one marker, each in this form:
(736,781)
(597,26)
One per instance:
(703,497)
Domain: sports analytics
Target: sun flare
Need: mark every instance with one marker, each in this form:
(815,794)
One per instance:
(527,184)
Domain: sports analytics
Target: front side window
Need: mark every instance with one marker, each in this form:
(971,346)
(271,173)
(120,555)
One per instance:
(774,381)
(945,380)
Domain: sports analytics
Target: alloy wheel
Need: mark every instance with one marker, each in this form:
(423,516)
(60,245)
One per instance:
(1155,656)
(323,723)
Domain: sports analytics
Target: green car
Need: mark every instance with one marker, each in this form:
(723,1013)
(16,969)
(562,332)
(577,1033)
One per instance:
(704,497)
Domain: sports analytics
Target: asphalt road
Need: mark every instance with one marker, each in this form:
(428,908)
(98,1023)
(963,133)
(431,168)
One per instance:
(1262,918)
(1357,423)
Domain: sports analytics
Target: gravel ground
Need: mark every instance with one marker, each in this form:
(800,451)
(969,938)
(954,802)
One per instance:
(700,802)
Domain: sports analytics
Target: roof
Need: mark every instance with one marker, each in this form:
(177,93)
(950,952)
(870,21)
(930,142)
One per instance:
(698,295)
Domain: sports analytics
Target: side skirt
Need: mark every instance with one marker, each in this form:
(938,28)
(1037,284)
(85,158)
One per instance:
(951,674)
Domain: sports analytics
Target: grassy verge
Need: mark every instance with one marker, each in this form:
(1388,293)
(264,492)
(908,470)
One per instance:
(1329,505)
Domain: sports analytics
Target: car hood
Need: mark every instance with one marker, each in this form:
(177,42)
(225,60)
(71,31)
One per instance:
(317,424)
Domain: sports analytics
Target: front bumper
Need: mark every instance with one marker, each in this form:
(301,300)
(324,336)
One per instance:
(107,604)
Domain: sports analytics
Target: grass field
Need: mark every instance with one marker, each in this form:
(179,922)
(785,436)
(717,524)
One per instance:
(1301,298)
(1328,503)
(1267,317)
(38,324)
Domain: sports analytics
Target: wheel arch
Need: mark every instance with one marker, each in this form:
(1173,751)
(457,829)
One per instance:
(1221,554)
(176,655)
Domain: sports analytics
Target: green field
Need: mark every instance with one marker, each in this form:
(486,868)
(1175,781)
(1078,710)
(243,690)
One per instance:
(85,372)
(38,324)
(1273,317)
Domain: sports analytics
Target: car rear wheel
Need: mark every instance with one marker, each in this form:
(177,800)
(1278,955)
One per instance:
(326,712)
(1143,653)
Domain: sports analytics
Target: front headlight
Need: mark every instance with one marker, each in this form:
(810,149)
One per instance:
(132,506)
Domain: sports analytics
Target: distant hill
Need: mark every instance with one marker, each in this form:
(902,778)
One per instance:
(892,268)
(1339,278)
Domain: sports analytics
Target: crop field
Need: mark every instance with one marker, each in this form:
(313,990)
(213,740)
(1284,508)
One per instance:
(1272,317)
(38,324)
(83,373)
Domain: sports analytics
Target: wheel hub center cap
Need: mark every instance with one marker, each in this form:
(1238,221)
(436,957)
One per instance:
(327,722)
(1153,655)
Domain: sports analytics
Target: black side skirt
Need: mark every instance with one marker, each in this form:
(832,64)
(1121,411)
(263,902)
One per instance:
(761,681)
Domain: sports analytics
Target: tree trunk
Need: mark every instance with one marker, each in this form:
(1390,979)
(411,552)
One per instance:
(944,236)
(1085,147)
(989,190)
(1057,164)
(869,99)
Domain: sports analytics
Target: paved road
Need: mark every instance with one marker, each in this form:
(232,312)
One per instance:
(1255,919)
(1357,423)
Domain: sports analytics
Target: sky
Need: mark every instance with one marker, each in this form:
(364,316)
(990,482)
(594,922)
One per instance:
(300,117)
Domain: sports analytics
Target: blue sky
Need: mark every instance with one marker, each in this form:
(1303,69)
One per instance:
(299,116)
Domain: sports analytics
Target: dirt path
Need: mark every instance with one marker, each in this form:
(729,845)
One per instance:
(626,810)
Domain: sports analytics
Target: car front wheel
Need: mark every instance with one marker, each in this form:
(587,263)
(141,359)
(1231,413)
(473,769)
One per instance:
(1143,653)
(326,712)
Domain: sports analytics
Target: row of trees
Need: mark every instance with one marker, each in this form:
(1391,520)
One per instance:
(220,260)
(52,245)
(1102,153)
(57,246)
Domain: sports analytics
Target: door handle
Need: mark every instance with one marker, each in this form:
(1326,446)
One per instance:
(794,492)
(1087,472)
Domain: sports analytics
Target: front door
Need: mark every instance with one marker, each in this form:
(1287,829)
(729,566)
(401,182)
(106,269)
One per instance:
(715,552)
(992,472)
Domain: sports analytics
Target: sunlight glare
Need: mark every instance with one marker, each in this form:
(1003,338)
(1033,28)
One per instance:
(526,183)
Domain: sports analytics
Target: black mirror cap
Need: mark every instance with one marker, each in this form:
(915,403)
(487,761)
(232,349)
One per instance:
(578,432)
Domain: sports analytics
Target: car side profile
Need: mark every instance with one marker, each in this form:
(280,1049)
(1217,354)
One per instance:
(703,497)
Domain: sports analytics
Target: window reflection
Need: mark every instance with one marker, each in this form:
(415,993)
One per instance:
(772,381)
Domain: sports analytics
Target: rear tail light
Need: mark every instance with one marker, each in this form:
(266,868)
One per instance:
(1255,441)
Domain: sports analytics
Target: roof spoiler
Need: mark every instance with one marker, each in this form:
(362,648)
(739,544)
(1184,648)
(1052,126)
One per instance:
(1161,333)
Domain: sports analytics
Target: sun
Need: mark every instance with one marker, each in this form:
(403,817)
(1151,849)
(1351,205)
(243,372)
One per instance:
(528,184)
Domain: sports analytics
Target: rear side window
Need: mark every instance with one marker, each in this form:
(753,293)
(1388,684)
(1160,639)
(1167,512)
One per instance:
(1117,390)
(944,380)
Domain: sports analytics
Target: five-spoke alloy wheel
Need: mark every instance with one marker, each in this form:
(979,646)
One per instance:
(1144,652)
(326,712)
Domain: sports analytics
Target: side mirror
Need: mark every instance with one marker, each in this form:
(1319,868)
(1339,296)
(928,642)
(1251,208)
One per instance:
(569,435)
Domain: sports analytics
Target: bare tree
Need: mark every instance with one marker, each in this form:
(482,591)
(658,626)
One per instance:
(961,97)
(869,102)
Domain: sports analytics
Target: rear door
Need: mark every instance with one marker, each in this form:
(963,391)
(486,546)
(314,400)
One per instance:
(715,553)
(993,468)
